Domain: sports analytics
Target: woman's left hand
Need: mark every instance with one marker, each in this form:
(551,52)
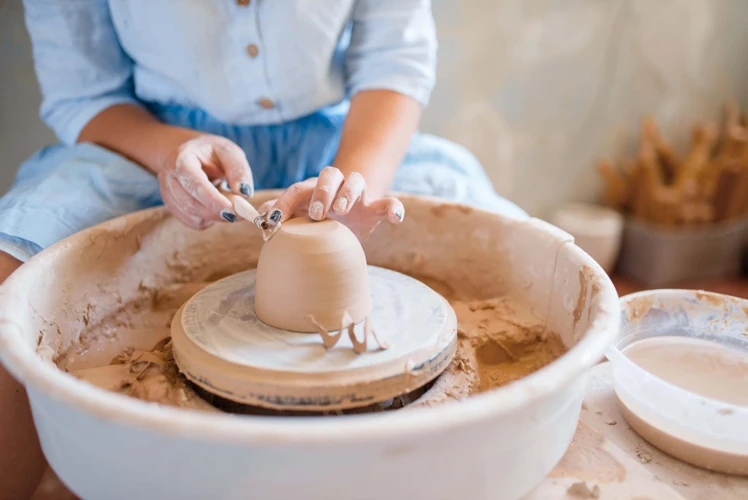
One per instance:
(333,195)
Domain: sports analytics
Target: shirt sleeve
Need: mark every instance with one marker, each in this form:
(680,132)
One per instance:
(393,47)
(79,62)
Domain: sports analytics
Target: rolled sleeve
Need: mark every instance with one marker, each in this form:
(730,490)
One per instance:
(79,62)
(393,47)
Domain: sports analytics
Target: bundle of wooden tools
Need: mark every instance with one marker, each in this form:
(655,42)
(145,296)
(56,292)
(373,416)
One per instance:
(709,184)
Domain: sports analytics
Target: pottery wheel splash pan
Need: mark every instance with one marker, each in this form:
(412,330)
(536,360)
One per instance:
(498,444)
(221,345)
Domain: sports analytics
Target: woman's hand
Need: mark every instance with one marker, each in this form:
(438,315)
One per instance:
(185,161)
(186,180)
(334,196)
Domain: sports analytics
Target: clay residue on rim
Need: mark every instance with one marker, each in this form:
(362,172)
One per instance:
(713,300)
(442,209)
(725,310)
(586,275)
(638,307)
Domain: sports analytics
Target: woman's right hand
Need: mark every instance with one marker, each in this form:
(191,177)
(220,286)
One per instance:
(186,180)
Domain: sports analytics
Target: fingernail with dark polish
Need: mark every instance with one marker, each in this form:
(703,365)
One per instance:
(246,189)
(228,216)
(276,215)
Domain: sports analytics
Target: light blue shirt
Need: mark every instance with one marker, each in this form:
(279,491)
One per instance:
(246,62)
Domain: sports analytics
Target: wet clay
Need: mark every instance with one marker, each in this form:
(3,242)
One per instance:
(499,341)
(311,276)
(701,367)
(147,375)
(582,490)
(509,343)
(696,365)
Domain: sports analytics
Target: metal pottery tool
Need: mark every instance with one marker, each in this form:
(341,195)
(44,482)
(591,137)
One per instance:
(269,222)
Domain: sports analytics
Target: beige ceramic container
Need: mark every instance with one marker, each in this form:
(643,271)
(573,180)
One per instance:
(499,444)
(661,257)
(596,229)
(311,273)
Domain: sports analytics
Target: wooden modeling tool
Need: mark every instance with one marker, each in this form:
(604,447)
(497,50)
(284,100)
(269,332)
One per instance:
(269,223)
(243,208)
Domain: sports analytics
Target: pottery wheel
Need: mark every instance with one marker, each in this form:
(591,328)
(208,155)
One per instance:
(221,345)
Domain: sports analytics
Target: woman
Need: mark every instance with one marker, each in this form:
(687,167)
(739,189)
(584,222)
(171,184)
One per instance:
(158,102)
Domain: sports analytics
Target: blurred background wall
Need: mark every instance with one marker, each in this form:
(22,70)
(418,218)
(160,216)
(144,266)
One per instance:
(537,89)
(21,131)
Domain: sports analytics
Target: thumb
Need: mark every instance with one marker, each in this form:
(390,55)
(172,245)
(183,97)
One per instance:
(390,209)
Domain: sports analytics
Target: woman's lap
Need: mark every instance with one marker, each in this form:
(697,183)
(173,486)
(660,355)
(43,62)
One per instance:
(62,190)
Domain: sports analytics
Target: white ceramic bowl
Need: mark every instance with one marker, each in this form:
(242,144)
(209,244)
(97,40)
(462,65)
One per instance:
(596,229)
(705,422)
(498,444)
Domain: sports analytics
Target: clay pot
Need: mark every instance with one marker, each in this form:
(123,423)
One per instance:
(312,272)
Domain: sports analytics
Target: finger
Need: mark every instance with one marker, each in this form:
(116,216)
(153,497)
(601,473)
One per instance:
(265,207)
(294,199)
(189,173)
(236,168)
(350,193)
(272,213)
(184,207)
(390,209)
(188,204)
(187,220)
(328,184)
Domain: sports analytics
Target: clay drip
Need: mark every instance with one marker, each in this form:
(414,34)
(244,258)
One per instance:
(330,340)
